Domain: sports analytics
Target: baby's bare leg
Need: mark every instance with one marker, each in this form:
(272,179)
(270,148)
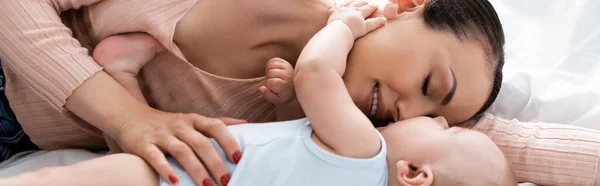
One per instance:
(117,170)
(123,56)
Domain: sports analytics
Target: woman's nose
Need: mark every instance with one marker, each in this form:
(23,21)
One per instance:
(407,109)
(441,121)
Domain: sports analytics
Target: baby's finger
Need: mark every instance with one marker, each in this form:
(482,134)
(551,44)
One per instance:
(390,10)
(367,10)
(276,85)
(278,63)
(158,161)
(269,95)
(359,3)
(374,23)
(345,3)
(273,64)
(263,89)
(279,73)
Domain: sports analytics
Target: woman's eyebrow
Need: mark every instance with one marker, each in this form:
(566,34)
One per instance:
(450,94)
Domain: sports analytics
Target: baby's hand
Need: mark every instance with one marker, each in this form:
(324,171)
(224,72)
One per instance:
(279,86)
(353,14)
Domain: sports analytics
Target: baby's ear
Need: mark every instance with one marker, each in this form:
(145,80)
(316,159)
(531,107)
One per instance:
(395,7)
(409,175)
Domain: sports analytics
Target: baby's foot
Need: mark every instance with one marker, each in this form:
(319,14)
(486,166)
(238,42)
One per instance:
(126,52)
(279,86)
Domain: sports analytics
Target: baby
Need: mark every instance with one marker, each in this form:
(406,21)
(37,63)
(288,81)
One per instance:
(335,145)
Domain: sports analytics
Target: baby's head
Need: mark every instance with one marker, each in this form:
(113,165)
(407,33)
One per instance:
(424,151)
(433,57)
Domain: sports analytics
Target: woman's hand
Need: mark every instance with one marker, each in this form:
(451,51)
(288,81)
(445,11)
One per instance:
(184,136)
(147,132)
(353,14)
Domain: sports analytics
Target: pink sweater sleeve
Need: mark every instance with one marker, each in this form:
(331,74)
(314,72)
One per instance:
(545,153)
(41,50)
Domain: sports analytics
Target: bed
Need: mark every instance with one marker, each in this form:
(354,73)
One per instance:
(552,72)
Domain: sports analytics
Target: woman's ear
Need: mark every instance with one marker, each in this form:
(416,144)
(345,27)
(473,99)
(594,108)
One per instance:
(396,7)
(409,175)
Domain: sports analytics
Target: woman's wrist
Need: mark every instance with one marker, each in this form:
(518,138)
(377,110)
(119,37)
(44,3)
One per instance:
(104,103)
(597,179)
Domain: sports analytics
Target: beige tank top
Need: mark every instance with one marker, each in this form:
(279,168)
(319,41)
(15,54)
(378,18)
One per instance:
(173,85)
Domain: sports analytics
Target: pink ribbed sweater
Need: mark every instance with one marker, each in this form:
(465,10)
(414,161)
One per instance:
(44,64)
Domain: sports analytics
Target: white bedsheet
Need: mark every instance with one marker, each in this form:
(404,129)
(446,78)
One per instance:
(552,70)
(32,161)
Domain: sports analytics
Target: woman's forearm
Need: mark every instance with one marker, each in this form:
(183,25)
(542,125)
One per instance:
(104,103)
(546,153)
(597,181)
(39,49)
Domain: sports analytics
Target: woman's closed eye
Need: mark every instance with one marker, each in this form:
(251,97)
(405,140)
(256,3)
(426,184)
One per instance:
(425,87)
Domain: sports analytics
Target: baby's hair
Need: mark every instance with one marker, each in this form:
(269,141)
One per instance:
(445,177)
(472,20)
(492,170)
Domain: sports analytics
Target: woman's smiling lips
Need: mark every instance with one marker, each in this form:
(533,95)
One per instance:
(374,103)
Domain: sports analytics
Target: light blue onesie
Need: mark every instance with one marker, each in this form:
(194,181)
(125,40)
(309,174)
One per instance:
(283,154)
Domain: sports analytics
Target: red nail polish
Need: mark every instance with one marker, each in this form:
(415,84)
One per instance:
(237,156)
(173,178)
(225,179)
(207,182)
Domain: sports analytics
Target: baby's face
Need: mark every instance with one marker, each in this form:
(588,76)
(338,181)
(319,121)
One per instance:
(422,137)
(425,141)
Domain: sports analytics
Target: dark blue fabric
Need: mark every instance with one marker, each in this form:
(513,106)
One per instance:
(12,137)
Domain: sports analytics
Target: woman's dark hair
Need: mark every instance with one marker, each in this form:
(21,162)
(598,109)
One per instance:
(468,20)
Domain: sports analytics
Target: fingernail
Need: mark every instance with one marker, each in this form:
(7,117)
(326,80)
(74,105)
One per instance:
(207,182)
(237,156)
(225,179)
(173,178)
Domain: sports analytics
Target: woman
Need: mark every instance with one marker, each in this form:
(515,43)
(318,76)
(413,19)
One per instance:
(63,99)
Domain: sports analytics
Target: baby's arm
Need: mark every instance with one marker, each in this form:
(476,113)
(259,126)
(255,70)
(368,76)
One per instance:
(117,170)
(546,153)
(122,57)
(336,120)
